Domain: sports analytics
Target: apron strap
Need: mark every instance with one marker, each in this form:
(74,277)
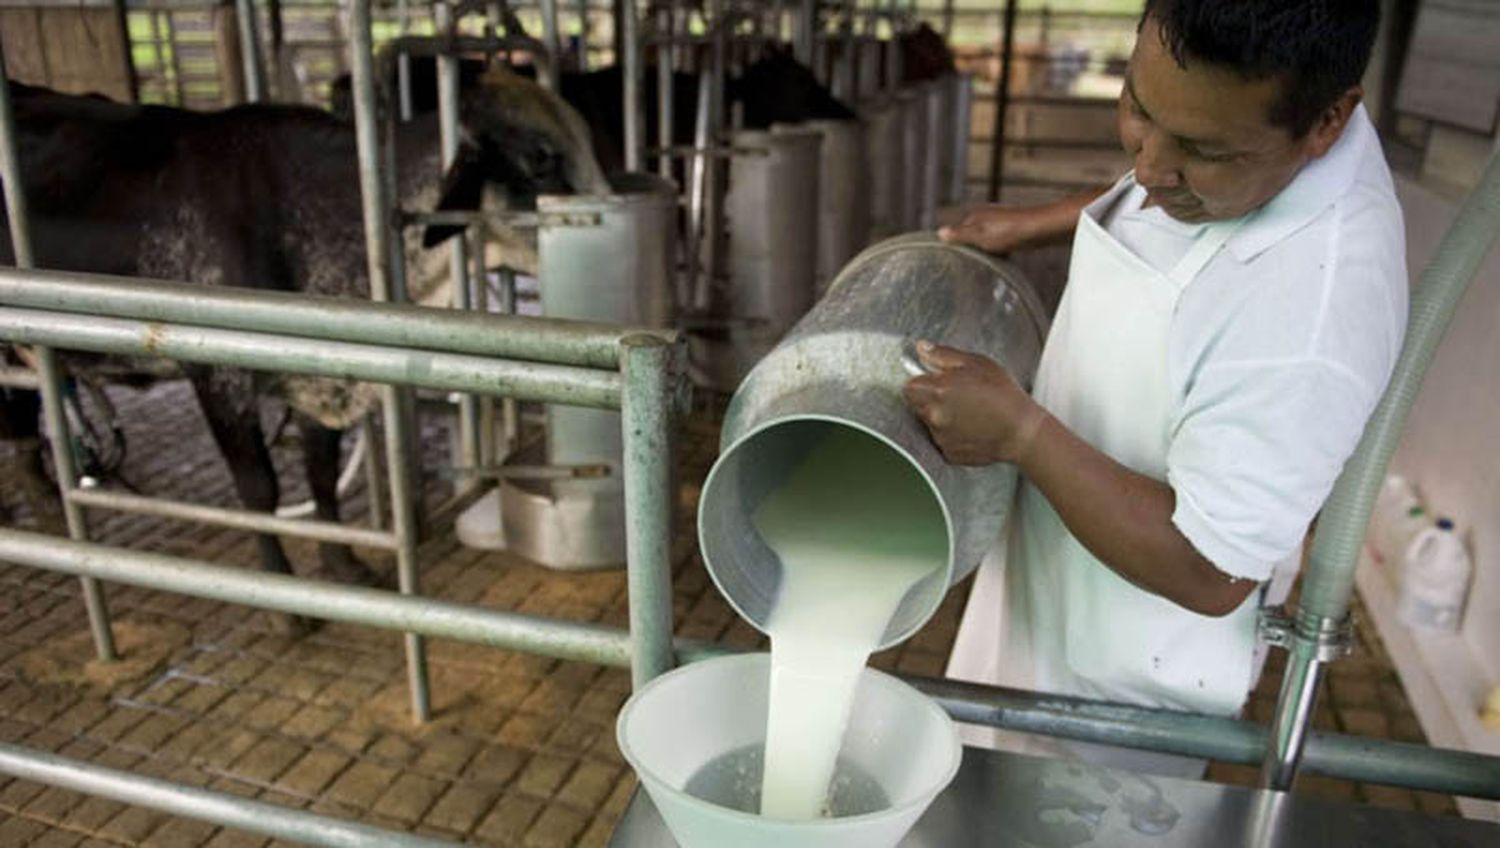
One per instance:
(1214,237)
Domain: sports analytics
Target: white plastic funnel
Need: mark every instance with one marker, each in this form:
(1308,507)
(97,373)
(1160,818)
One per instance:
(686,719)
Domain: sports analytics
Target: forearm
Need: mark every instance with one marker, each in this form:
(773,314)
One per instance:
(1055,222)
(1125,520)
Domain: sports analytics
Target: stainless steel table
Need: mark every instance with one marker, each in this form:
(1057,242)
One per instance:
(1004,800)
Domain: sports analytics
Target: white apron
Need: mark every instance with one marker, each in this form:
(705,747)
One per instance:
(1056,619)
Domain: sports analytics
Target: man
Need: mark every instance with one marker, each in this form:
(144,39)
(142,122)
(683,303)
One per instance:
(1234,309)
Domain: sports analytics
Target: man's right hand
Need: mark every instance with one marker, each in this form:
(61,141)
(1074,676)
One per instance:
(1002,229)
(996,229)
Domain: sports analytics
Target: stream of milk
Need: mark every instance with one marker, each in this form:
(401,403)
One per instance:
(855,527)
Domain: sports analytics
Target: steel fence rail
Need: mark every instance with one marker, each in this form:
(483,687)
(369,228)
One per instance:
(553,340)
(202,804)
(262,351)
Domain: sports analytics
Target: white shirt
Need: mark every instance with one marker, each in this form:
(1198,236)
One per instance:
(1279,350)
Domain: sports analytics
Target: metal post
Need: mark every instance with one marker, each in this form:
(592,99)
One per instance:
(255,83)
(50,374)
(584,30)
(646,418)
(403,61)
(510,413)
(553,40)
(385,285)
(715,169)
(458,261)
(664,91)
(374,494)
(849,60)
(948,19)
(802,33)
(1289,726)
(635,120)
(1002,101)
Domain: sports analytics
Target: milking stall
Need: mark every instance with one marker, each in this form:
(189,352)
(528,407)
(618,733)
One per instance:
(749,423)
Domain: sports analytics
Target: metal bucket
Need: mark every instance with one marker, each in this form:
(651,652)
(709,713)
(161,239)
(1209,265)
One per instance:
(770,214)
(843,197)
(600,259)
(887,176)
(843,366)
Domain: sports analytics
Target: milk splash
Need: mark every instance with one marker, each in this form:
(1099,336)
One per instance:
(855,526)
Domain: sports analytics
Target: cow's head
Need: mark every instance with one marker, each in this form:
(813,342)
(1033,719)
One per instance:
(519,140)
(777,89)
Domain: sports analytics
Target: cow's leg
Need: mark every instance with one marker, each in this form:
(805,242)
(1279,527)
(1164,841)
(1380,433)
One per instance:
(229,404)
(320,448)
(26,469)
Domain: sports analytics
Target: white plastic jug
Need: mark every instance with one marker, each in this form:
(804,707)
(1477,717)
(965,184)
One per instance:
(1434,579)
(1399,516)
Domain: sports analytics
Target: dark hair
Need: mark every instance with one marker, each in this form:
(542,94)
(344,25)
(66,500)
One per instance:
(1318,48)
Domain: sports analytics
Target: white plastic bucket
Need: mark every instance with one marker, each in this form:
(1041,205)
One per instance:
(692,717)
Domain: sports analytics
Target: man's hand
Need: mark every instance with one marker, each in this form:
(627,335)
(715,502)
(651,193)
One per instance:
(976,413)
(995,229)
(1000,229)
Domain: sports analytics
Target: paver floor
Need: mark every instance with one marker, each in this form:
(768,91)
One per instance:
(521,749)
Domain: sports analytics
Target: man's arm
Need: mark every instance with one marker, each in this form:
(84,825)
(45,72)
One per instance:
(1001,229)
(978,415)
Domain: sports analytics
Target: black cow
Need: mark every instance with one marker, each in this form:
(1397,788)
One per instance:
(267,197)
(774,89)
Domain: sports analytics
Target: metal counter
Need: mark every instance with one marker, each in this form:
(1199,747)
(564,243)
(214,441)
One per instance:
(1000,800)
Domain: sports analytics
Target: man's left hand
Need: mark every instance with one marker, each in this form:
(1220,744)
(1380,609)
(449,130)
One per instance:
(976,413)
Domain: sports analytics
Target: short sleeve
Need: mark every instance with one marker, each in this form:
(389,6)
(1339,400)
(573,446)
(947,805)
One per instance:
(1255,453)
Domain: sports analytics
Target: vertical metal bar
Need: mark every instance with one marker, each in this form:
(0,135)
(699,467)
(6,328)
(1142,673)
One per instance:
(947,19)
(51,379)
(374,494)
(635,119)
(255,83)
(714,167)
(584,30)
(171,32)
(1294,709)
(552,39)
(403,62)
(510,414)
(664,116)
(849,59)
(963,113)
(802,31)
(481,301)
(646,419)
(385,284)
(458,259)
(1002,100)
(698,193)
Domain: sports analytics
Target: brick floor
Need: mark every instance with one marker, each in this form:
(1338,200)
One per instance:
(521,752)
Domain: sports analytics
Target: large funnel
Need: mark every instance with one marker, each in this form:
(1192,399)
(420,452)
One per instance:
(843,367)
(694,737)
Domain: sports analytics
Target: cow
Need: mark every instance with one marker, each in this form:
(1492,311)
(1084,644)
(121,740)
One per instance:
(925,55)
(267,197)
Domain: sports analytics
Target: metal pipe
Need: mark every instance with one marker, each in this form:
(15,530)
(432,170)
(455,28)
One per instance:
(319,599)
(455,372)
(1002,100)
(458,259)
(374,495)
(698,282)
(646,422)
(403,62)
(255,83)
(220,808)
(802,34)
(259,522)
(1211,737)
(552,38)
(1328,582)
(510,413)
(49,378)
(396,406)
(664,92)
(554,340)
(635,119)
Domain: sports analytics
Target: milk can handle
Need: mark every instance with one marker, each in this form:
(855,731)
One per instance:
(910,361)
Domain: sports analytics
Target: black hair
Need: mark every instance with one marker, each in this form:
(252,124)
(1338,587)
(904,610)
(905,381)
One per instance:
(1318,48)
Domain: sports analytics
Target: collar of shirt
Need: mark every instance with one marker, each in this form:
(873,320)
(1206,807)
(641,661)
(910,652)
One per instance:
(1316,187)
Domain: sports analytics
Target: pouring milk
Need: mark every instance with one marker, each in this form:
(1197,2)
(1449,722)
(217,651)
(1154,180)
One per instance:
(855,526)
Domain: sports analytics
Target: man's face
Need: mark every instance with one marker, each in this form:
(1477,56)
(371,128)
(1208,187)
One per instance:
(1202,138)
